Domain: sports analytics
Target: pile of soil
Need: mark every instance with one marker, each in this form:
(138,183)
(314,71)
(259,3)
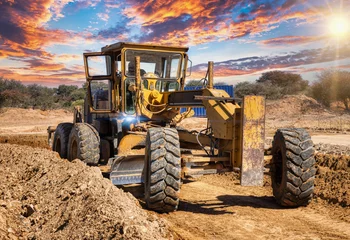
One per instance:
(18,120)
(28,115)
(333,178)
(31,140)
(45,197)
(292,106)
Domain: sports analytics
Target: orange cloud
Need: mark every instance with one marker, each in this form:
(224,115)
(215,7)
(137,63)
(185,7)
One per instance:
(197,22)
(292,40)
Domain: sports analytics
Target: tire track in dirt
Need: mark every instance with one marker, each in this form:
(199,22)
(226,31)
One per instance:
(212,212)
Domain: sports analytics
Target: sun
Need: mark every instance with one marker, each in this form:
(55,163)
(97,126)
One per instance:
(339,26)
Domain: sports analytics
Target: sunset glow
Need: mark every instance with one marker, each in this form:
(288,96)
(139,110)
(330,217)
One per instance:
(42,41)
(339,26)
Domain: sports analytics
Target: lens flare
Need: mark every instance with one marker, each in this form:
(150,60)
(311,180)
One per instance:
(339,26)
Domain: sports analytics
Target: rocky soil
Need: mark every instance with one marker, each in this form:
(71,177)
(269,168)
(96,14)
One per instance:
(45,197)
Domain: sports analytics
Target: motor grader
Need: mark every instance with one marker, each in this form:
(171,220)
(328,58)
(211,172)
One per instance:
(129,128)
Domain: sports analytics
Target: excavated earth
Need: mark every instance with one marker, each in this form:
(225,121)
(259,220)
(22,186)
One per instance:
(45,197)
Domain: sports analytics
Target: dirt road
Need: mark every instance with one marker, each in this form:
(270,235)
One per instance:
(214,208)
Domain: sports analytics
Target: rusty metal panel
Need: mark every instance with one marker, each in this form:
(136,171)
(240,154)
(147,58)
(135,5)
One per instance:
(253,136)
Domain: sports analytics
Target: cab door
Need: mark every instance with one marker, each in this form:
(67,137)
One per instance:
(99,73)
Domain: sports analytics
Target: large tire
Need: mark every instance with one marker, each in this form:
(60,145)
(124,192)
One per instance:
(60,139)
(162,169)
(293,167)
(84,144)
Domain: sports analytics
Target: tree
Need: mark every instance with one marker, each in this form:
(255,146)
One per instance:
(273,85)
(265,89)
(220,83)
(289,83)
(13,93)
(195,83)
(332,85)
(41,96)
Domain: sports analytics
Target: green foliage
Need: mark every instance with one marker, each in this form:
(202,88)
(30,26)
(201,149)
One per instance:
(220,83)
(79,102)
(65,90)
(273,85)
(40,96)
(289,83)
(332,85)
(78,94)
(199,83)
(15,94)
(267,89)
(194,83)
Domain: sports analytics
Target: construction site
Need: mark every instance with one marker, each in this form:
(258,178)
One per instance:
(46,197)
(134,163)
(174,120)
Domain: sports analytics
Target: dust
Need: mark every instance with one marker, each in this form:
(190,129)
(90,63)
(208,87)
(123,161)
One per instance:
(45,197)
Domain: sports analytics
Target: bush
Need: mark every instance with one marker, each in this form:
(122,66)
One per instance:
(273,85)
(332,85)
(79,102)
(15,94)
(289,83)
(264,89)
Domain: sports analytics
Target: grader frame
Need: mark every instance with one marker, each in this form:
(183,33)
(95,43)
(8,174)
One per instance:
(132,116)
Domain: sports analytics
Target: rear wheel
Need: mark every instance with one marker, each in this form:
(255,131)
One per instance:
(61,138)
(84,144)
(293,167)
(162,169)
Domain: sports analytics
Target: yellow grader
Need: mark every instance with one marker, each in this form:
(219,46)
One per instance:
(129,128)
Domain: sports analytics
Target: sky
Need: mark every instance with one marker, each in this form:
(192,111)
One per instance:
(43,41)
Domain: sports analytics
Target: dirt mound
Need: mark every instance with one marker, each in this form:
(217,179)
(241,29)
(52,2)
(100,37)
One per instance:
(333,161)
(19,120)
(26,139)
(45,197)
(25,115)
(293,105)
(333,178)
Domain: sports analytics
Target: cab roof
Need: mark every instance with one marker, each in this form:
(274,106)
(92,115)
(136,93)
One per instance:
(120,45)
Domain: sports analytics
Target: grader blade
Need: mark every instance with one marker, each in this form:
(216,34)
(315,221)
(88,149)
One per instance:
(127,167)
(127,170)
(253,135)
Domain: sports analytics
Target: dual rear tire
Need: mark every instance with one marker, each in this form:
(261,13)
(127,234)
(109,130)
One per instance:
(79,140)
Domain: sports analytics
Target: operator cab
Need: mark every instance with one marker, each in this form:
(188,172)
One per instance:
(111,76)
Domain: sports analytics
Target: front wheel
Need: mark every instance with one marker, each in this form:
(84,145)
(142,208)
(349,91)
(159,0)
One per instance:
(293,167)
(84,144)
(162,169)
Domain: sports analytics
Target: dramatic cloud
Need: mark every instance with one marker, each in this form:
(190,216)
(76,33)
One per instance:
(35,33)
(22,29)
(194,22)
(292,40)
(256,64)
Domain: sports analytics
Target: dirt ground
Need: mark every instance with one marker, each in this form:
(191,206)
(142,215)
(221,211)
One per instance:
(45,197)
